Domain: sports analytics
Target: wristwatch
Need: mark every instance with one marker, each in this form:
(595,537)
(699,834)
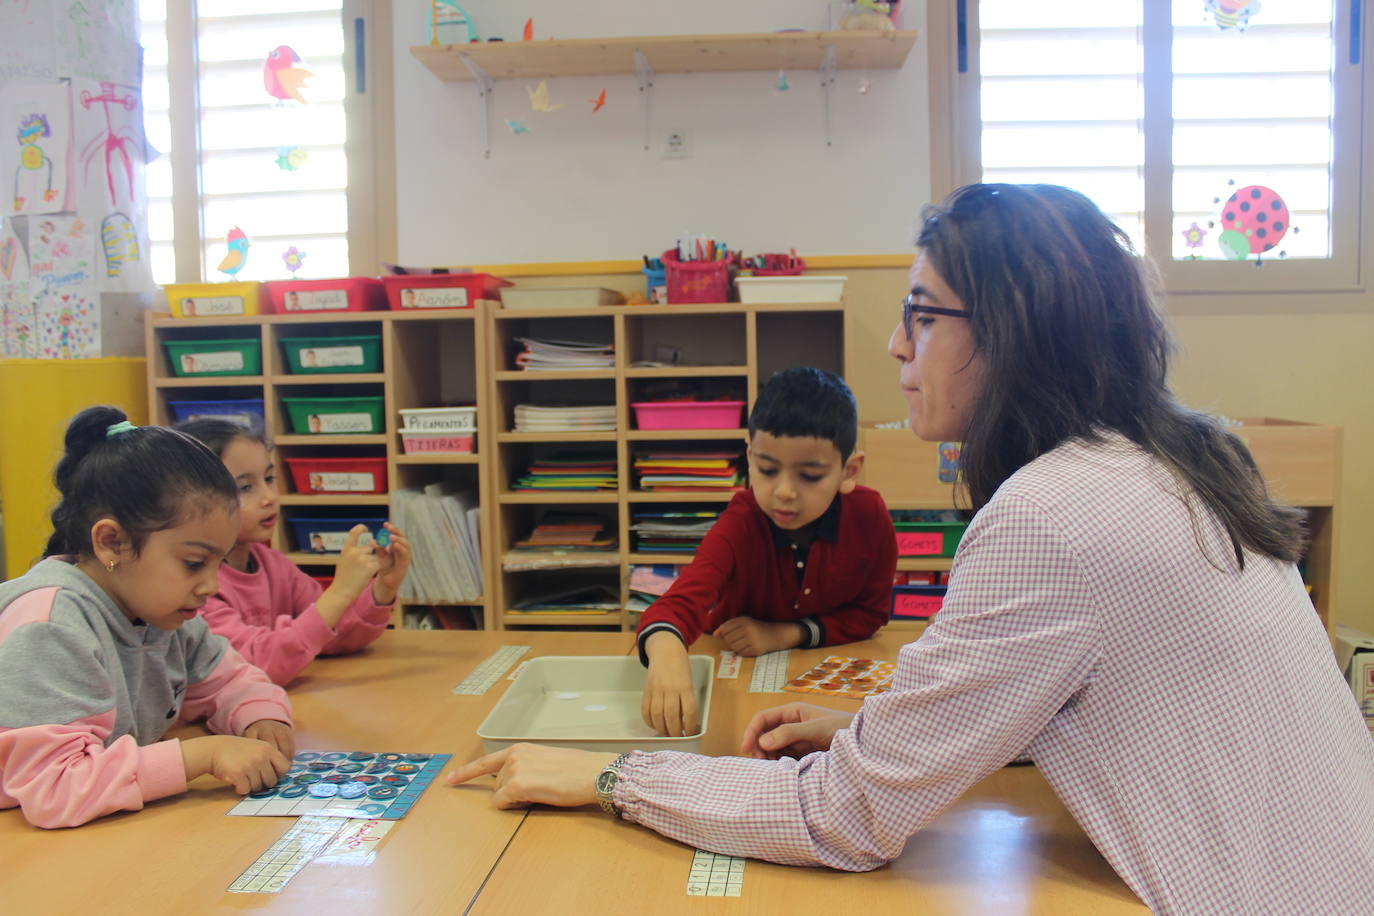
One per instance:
(605,784)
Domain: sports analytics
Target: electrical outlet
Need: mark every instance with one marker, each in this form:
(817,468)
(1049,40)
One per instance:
(677,144)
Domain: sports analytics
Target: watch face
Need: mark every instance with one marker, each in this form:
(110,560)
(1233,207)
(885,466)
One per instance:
(605,782)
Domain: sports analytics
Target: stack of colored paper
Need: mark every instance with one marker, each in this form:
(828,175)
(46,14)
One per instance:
(563,540)
(557,355)
(673,531)
(569,599)
(550,418)
(687,471)
(569,471)
(649,583)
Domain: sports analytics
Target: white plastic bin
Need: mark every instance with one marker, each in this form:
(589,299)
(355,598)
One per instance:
(806,288)
(439,419)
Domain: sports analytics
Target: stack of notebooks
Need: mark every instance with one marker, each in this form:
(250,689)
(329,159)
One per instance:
(563,540)
(551,418)
(445,537)
(671,531)
(568,471)
(571,600)
(559,355)
(675,470)
(648,584)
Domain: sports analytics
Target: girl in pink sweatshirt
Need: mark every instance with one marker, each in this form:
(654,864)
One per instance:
(269,610)
(101,648)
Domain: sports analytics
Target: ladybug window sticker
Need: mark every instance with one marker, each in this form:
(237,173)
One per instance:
(1252,221)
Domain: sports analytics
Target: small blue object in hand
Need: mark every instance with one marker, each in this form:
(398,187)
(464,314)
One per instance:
(383,538)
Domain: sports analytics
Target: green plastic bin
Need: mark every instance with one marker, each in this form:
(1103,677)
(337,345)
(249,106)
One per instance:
(335,415)
(203,358)
(307,355)
(928,539)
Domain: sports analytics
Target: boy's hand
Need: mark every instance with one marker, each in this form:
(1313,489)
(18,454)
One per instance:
(356,567)
(278,734)
(247,764)
(747,636)
(536,774)
(392,562)
(670,702)
(794,730)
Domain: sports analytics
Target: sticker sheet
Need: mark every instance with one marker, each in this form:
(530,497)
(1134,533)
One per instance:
(843,676)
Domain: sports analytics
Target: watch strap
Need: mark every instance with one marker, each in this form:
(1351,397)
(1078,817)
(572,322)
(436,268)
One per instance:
(605,788)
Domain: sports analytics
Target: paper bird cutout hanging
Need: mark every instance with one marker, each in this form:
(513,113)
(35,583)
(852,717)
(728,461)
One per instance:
(281,79)
(539,98)
(516,127)
(529,30)
(238,252)
(599,102)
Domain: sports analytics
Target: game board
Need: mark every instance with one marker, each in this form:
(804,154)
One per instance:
(843,676)
(344,784)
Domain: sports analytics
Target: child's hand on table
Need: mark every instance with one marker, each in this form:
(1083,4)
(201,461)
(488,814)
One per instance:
(528,774)
(747,636)
(392,562)
(670,701)
(794,730)
(278,734)
(247,764)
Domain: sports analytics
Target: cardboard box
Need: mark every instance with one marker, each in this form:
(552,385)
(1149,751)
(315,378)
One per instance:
(1355,655)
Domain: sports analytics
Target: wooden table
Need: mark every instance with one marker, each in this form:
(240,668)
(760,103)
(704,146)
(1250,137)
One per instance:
(1007,846)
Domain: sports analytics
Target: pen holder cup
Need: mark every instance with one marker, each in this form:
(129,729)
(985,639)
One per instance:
(696,281)
(655,280)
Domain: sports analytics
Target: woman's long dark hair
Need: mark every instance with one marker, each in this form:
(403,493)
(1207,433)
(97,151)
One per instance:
(1063,312)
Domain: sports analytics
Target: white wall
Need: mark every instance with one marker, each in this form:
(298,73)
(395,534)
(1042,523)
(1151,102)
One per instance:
(580,186)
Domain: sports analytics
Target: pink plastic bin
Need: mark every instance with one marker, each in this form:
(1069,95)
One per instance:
(688,414)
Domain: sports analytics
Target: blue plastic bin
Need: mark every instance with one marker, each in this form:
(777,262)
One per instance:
(315,534)
(245,412)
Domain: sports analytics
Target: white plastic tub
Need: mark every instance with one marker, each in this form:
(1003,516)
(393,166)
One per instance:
(817,288)
(589,703)
(581,297)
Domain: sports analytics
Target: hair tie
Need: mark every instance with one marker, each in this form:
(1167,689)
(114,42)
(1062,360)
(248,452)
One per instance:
(114,429)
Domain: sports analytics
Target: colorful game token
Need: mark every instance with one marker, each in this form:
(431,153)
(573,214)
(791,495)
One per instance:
(318,778)
(307,755)
(405,768)
(841,676)
(383,538)
(264,793)
(294,791)
(319,766)
(307,779)
(334,756)
(390,758)
(323,790)
(364,779)
(352,790)
(295,768)
(383,792)
(361,755)
(378,768)
(349,768)
(418,758)
(337,778)
(397,781)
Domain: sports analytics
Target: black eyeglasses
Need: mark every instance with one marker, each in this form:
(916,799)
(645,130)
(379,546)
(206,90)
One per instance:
(908,306)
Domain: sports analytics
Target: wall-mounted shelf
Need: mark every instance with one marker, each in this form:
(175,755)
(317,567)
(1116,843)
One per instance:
(644,57)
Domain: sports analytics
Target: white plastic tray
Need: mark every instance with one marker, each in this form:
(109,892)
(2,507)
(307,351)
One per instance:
(590,703)
(803,288)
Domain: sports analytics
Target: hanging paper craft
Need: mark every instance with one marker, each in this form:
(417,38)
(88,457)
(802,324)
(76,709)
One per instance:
(450,24)
(539,98)
(1253,220)
(1232,14)
(599,102)
(529,30)
(293,259)
(238,252)
(119,240)
(282,79)
(290,158)
(64,287)
(516,127)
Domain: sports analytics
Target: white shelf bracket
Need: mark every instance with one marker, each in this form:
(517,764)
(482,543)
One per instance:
(485,89)
(827,84)
(644,74)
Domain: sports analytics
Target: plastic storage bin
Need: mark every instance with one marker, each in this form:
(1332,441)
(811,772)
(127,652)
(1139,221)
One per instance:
(916,602)
(451,443)
(203,358)
(335,415)
(928,539)
(696,281)
(441,291)
(327,535)
(439,419)
(688,414)
(307,355)
(214,300)
(345,294)
(338,475)
(770,289)
(589,703)
(581,297)
(246,412)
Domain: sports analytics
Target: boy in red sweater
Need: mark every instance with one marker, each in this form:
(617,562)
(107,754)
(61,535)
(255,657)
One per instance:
(803,558)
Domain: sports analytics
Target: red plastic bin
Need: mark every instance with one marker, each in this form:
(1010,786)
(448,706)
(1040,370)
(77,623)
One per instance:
(696,281)
(338,475)
(440,291)
(688,414)
(345,294)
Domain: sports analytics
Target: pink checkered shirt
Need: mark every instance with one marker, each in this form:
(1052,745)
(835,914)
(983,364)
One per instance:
(1190,715)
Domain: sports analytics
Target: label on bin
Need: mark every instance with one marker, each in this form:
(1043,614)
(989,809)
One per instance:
(316,300)
(212,305)
(920,543)
(918,606)
(342,482)
(227,361)
(242,419)
(437,423)
(328,541)
(433,443)
(320,357)
(340,422)
(435,297)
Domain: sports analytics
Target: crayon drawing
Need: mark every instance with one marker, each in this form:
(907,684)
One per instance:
(63,283)
(35,146)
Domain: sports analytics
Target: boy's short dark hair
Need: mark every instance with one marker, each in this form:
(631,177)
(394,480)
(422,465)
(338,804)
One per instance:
(802,402)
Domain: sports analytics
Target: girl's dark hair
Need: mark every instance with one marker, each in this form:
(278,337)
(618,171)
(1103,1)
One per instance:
(217,434)
(1063,312)
(146,478)
(802,401)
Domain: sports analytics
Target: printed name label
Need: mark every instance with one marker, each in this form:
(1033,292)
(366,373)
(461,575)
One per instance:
(441,297)
(920,543)
(432,423)
(342,482)
(319,357)
(438,444)
(919,606)
(213,305)
(315,300)
(228,361)
(342,422)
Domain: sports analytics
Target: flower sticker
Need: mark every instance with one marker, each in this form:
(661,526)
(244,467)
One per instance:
(1192,238)
(293,259)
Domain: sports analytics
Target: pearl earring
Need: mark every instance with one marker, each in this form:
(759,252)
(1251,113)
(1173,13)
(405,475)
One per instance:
(111,565)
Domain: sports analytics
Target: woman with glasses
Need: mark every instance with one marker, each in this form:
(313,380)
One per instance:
(1124,609)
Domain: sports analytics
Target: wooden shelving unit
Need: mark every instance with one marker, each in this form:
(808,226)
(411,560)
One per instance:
(731,344)
(429,359)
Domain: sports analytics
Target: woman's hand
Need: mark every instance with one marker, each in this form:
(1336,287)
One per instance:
(794,730)
(528,774)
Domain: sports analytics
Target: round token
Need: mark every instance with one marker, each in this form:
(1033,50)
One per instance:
(405,768)
(361,755)
(383,792)
(799,682)
(364,779)
(829,666)
(397,781)
(306,755)
(294,791)
(295,768)
(323,790)
(378,768)
(306,779)
(334,756)
(352,790)
(349,768)
(319,766)
(337,778)
(418,758)
(264,793)
(390,758)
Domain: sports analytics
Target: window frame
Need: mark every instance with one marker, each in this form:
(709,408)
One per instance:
(1336,284)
